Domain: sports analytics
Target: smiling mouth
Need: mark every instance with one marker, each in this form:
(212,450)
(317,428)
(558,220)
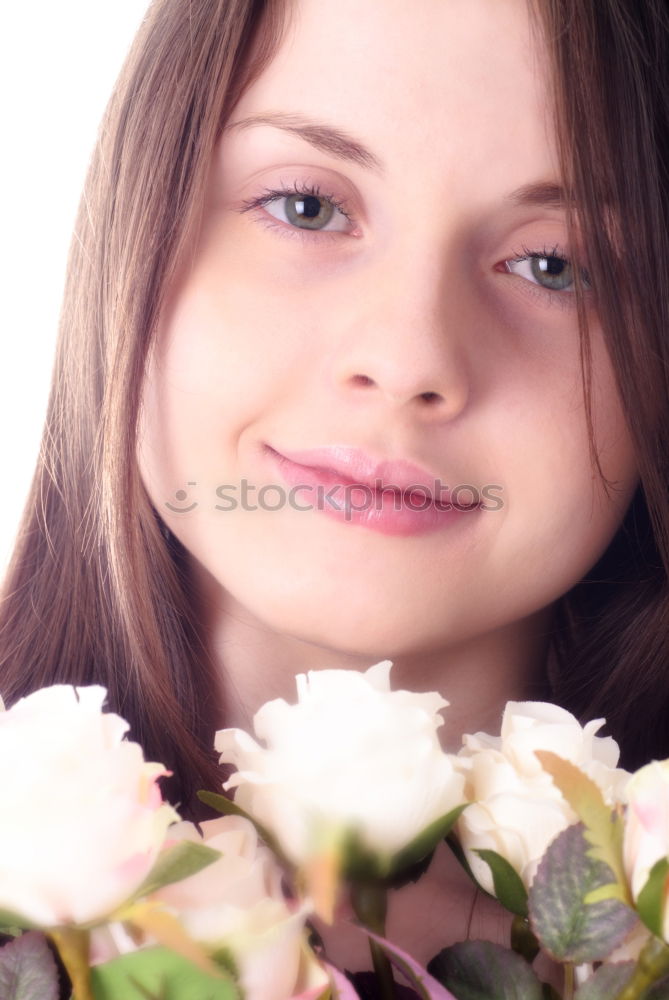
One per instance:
(411,489)
(352,468)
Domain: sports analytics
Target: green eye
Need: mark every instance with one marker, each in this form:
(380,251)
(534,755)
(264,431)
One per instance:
(305,208)
(547,268)
(552,272)
(308,211)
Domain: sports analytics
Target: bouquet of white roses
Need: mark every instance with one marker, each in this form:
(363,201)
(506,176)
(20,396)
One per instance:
(339,799)
(98,871)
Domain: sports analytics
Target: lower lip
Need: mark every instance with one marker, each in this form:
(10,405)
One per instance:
(388,512)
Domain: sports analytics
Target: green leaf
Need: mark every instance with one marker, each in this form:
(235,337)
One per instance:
(606,983)
(227,807)
(568,927)
(461,858)
(225,960)
(602,892)
(176,863)
(165,928)
(609,981)
(157,974)
(650,901)
(508,884)
(659,990)
(481,970)
(222,804)
(603,827)
(28,970)
(523,941)
(9,919)
(425,842)
(358,862)
(648,975)
(413,873)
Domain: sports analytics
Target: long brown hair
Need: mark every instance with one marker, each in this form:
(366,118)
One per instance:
(611,85)
(96,591)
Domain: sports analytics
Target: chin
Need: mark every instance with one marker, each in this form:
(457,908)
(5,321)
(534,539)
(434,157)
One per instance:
(364,635)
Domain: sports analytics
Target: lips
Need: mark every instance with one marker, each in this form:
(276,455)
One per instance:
(355,467)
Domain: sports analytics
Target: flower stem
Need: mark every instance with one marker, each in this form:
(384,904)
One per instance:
(370,900)
(652,964)
(569,981)
(72,945)
(383,971)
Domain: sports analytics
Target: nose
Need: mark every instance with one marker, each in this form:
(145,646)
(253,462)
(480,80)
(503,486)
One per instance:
(403,345)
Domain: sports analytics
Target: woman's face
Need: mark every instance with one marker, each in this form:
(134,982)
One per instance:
(389,311)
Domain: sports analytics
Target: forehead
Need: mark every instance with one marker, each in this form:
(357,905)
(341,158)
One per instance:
(444,85)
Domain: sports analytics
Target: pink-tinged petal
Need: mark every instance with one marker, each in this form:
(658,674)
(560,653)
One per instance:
(106,817)
(648,814)
(313,994)
(517,809)
(415,974)
(341,985)
(313,774)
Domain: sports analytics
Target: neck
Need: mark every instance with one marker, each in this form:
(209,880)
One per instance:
(258,663)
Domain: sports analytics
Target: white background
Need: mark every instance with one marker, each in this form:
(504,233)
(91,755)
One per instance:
(58,64)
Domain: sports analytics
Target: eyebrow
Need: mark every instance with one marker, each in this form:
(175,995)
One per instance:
(344,146)
(545,194)
(319,134)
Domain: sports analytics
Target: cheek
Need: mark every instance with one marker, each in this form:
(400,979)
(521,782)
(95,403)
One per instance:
(557,504)
(231,345)
(531,423)
(225,356)
(212,378)
(218,343)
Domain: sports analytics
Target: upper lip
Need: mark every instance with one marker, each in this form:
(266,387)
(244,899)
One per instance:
(359,468)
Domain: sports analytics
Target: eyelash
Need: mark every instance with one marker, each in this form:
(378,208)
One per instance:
(555,253)
(560,297)
(525,253)
(293,232)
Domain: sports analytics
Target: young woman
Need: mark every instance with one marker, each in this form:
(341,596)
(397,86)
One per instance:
(421,248)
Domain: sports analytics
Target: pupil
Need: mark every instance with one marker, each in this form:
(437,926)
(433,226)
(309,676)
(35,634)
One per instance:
(551,265)
(309,206)
(552,272)
(309,211)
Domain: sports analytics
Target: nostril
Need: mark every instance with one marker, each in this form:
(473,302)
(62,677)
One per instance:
(430,397)
(362,380)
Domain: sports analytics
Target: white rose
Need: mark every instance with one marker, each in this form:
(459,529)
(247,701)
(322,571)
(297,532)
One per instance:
(351,755)
(237,904)
(517,810)
(646,838)
(81,815)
